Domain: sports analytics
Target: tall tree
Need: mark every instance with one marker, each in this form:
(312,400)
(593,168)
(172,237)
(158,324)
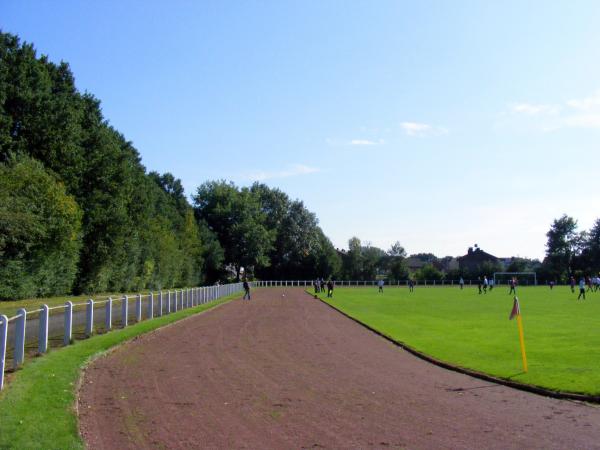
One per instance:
(560,247)
(397,265)
(39,232)
(236,217)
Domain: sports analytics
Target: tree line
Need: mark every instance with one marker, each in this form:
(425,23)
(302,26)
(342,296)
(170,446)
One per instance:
(570,252)
(80,214)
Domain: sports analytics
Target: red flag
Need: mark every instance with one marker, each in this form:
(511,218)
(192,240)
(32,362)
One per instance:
(516,310)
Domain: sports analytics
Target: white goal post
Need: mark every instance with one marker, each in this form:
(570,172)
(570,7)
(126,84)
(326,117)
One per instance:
(501,276)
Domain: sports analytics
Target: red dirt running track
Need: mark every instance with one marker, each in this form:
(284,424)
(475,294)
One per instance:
(289,372)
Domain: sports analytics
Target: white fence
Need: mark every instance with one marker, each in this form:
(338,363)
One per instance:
(93,315)
(362,283)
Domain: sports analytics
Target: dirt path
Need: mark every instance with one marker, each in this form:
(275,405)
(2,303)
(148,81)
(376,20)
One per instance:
(289,372)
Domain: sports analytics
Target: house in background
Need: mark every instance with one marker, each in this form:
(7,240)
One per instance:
(474,258)
(413,264)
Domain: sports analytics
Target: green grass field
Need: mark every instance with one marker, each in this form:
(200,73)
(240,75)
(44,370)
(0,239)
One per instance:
(562,335)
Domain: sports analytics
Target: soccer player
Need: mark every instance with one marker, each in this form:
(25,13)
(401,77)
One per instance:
(479,284)
(380,285)
(513,286)
(485,284)
(411,285)
(491,283)
(581,288)
(572,283)
(461,283)
(330,288)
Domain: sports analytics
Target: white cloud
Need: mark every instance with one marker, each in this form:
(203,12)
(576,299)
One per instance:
(421,129)
(583,121)
(533,110)
(366,142)
(586,104)
(353,142)
(574,113)
(291,171)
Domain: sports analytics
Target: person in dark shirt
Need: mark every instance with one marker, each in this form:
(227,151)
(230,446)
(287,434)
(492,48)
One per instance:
(246,290)
(513,286)
(330,289)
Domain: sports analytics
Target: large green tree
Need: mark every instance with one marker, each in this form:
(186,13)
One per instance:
(40,228)
(235,215)
(560,247)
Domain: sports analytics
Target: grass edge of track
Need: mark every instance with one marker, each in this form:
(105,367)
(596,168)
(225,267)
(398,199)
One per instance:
(540,390)
(38,405)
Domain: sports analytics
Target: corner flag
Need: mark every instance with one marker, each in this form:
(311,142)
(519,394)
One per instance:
(516,312)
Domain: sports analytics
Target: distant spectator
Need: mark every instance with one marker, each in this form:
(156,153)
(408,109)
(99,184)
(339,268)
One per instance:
(246,290)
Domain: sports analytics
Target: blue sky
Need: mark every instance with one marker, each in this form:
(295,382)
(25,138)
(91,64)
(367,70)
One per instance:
(438,124)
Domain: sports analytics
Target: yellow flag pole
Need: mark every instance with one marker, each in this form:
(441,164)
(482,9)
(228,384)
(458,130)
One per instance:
(522,340)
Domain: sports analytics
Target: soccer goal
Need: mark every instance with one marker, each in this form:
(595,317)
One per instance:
(523,278)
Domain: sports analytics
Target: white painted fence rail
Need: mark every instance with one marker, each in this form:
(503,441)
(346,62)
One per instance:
(102,309)
(363,283)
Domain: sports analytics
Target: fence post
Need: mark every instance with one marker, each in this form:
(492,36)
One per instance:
(19,355)
(175,302)
(150,305)
(89,318)
(160,303)
(124,310)
(3,340)
(138,308)
(168,302)
(68,323)
(43,334)
(108,314)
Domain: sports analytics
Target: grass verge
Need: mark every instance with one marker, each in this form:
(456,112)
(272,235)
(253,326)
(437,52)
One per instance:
(37,408)
(472,331)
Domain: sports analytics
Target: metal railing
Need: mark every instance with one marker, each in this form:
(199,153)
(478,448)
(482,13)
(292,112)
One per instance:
(363,283)
(82,320)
